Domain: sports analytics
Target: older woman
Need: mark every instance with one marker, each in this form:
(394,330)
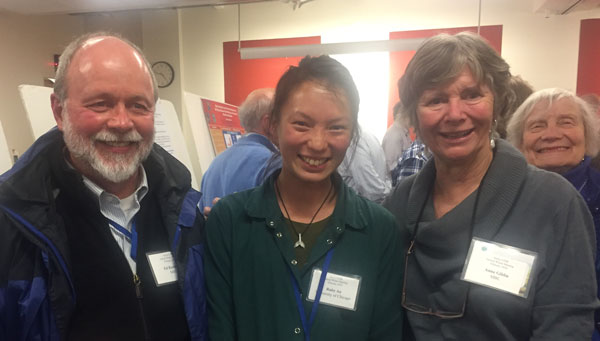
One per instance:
(557,131)
(499,250)
(303,256)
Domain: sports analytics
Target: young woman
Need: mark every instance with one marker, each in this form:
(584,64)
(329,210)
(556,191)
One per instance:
(302,256)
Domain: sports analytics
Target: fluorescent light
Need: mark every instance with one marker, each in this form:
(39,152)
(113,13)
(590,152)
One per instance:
(332,48)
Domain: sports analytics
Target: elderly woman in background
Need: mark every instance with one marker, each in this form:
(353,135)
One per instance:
(593,100)
(557,131)
(499,250)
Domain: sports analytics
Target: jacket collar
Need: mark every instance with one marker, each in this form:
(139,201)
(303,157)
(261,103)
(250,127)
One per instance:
(262,204)
(499,190)
(258,138)
(43,160)
(32,187)
(578,175)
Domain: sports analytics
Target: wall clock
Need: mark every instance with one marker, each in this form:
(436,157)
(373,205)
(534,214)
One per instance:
(164,74)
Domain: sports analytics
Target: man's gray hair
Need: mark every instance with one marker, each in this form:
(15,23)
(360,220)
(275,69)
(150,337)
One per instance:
(441,59)
(516,125)
(61,85)
(258,103)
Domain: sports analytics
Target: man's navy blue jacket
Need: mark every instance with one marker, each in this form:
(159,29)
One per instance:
(38,295)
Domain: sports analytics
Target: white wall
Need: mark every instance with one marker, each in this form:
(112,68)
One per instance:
(160,35)
(127,23)
(203,31)
(28,45)
(543,50)
(162,41)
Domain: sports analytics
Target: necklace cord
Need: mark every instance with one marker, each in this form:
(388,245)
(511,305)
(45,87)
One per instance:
(288,214)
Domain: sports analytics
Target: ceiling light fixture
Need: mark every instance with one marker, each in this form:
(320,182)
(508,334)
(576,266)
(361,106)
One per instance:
(331,48)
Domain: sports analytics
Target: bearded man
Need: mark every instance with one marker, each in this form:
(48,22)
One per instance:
(100,236)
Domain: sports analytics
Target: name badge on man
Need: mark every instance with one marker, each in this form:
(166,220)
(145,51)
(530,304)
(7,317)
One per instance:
(499,266)
(162,266)
(338,291)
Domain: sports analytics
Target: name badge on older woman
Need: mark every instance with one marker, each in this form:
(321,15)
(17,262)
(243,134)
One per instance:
(499,266)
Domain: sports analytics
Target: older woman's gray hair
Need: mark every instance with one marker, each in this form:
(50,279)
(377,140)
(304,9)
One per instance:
(516,125)
(442,58)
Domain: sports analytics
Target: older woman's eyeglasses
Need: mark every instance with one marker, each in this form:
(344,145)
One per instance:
(419,309)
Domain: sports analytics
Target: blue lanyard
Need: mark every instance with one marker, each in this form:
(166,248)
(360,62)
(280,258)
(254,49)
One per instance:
(313,313)
(133,237)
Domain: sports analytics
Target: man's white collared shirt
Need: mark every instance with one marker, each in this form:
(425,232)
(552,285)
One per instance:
(121,211)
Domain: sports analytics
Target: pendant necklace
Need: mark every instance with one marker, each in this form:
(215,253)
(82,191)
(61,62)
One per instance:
(300,243)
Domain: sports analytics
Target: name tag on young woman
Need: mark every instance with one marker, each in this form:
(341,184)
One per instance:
(338,291)
(499,266)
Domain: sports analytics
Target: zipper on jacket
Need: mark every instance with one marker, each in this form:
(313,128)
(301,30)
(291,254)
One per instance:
(138,293)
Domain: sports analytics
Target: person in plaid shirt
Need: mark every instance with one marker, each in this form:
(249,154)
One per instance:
(412,160)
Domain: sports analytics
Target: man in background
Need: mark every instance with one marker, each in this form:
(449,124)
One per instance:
(364,168)
(249,161)
(396,140)
(100,237)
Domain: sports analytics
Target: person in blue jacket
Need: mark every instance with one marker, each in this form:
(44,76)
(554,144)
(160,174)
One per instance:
(251,159)
(100,234)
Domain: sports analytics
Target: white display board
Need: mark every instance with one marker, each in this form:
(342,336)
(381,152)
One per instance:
(36,100)
(5,156)
(168,133)
(200,131)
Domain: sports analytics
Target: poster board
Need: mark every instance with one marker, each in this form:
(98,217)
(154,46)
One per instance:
(223,124)
(36,100)
(5,155)
(205,152)
(215,126)
(168,134)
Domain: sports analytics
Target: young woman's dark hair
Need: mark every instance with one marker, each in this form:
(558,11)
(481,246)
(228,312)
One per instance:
(323,70)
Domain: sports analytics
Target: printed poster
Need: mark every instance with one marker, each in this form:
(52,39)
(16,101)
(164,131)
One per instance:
(223,124)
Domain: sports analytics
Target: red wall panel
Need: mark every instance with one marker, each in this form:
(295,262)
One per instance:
(588,69)
(244,76)
(399,59)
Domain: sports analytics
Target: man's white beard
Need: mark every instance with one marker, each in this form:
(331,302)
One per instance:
(112,167)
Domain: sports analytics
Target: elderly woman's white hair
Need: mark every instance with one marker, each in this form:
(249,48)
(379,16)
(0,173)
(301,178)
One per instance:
(516,125)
